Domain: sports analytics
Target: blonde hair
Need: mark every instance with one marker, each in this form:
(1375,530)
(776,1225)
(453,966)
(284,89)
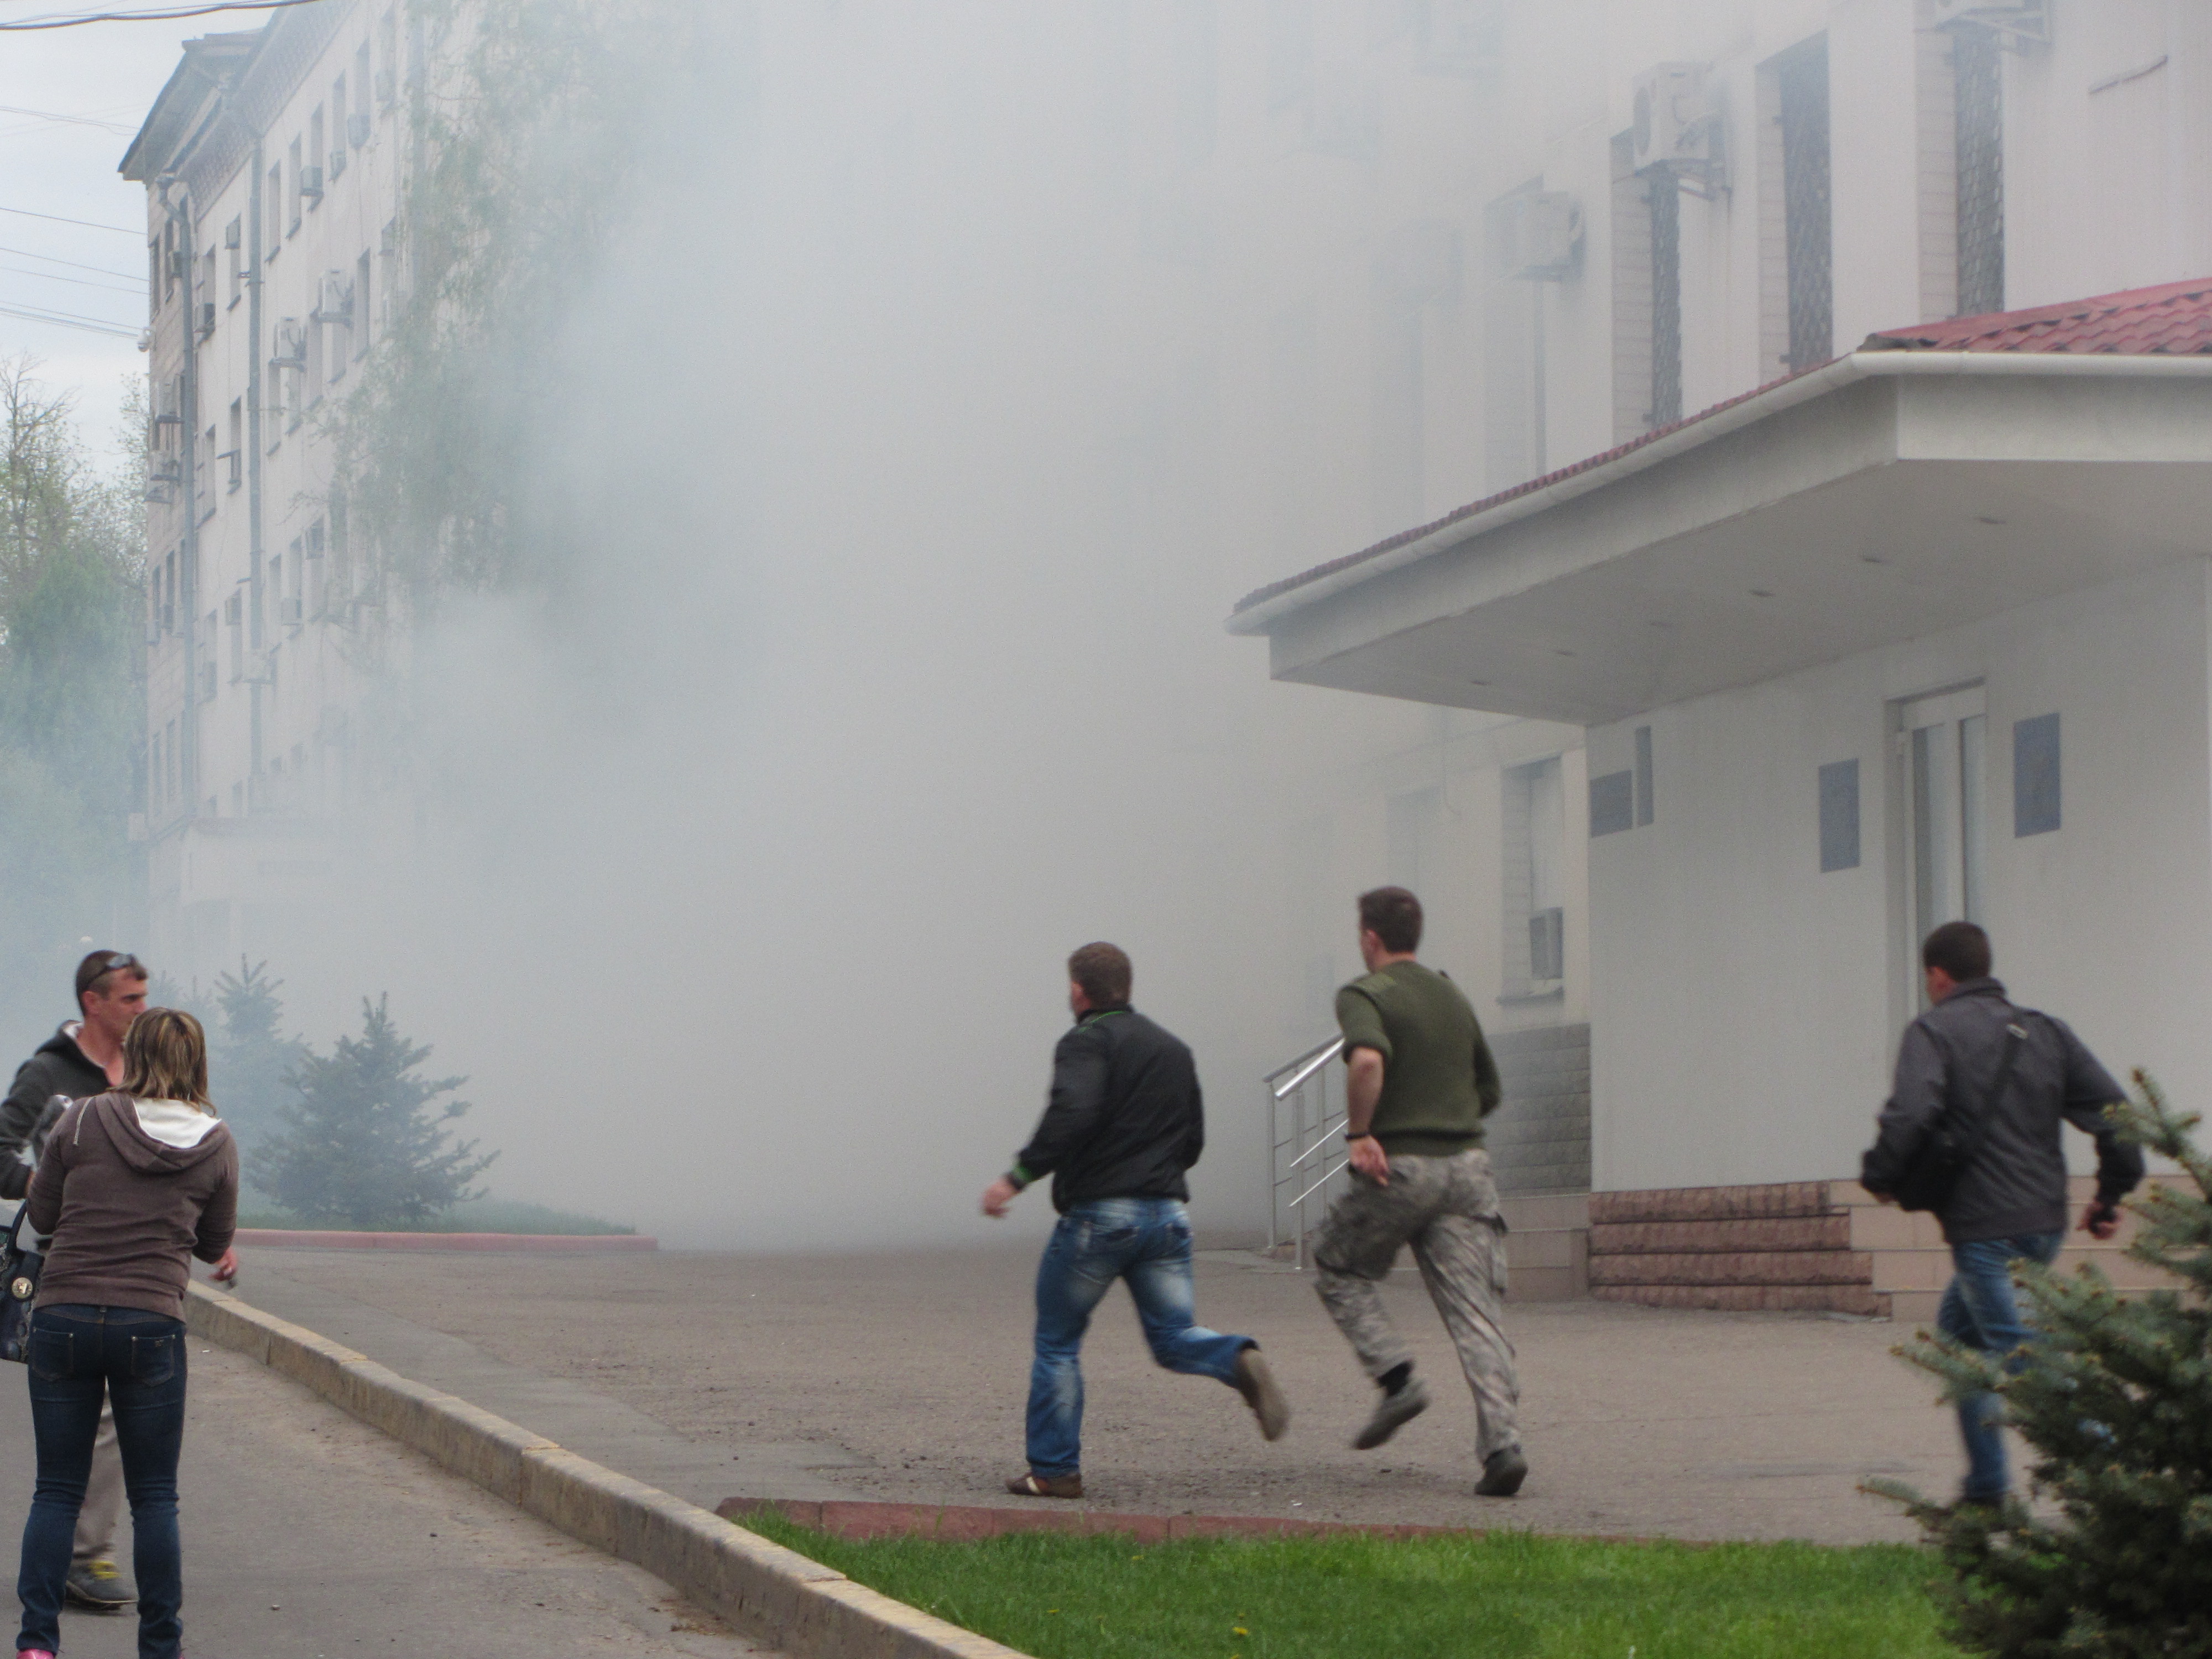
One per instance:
(164,1057)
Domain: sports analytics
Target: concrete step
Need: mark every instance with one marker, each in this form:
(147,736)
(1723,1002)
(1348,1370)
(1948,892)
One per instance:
(1792,1198)
(1750,1268)
(1751,1299)
(1808,1232)
(1930,1269)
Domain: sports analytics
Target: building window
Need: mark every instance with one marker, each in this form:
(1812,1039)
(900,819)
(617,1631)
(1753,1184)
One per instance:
(273,188)
(1801,92)
(362,268)
(337,150)
(311,181)
(1611,804)
(1665,196)
(1644,805)
(1977,81)
(1513,355)
(1631,294)
(233,240)
(1839,815)
(2035,776)
(1534,822)
(299,186)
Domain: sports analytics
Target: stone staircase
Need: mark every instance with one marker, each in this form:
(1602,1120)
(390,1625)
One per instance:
(1820,1246)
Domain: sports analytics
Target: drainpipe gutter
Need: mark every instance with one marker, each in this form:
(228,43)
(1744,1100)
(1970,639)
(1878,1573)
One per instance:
(1848,370)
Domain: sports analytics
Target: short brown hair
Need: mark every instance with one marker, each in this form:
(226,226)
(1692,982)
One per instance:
(164,1057)
(92,973)
(1960,949)
(1103,971)
(1393,915)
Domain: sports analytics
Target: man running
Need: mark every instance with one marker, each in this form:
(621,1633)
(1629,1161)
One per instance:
(82,1059)
(1123,1122)
(1420,1081)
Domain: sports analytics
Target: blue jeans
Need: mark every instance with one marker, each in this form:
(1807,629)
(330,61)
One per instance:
(1979,1310)
(78,1354)
(1145,1241)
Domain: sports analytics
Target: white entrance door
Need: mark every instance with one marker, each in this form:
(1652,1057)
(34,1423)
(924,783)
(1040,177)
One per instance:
(1942,742)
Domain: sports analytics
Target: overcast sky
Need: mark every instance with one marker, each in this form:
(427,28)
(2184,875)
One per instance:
(104,72)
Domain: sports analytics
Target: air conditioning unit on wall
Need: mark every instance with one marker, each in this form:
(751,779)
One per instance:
(1676,127)
(1539,236)
(2020,21)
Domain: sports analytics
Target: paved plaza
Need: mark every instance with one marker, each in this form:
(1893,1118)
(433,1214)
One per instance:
(310,1535)
(902,1377)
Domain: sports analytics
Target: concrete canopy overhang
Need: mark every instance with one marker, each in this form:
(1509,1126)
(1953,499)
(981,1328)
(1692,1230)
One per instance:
(1885,496)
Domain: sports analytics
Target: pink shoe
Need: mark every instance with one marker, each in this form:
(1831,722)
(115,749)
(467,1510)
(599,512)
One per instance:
(32,1653)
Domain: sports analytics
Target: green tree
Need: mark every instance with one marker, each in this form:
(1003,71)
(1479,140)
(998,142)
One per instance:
(72,699)
(365,1142)
(253,1059)
(2115,1396)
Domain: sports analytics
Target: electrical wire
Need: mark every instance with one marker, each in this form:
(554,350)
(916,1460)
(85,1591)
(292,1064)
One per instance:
(81,281)
(64,319)
(74,120)
(86,224)
(97,270)
(61,22)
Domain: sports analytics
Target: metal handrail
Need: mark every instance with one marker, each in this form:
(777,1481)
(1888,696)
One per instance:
(1303,1122)
(1305,1065)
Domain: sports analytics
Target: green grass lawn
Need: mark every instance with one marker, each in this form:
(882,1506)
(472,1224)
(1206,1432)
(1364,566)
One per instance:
(1507,1594)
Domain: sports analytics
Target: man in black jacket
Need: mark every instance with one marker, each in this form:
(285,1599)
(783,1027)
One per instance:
(2016,1075)
(1123,1122)
(82,1059)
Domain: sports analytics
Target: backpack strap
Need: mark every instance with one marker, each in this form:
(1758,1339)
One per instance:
(1972,1127)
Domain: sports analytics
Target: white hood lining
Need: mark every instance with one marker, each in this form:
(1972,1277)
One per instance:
(175,1123)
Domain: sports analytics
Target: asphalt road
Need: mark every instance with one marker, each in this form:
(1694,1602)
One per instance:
(308,1536)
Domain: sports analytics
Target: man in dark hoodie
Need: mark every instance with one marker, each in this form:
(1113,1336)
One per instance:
(1123,1124)
(82,1059)
(2017,1075)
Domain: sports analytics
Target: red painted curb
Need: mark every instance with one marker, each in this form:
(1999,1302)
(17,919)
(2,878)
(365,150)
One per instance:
(281,1238)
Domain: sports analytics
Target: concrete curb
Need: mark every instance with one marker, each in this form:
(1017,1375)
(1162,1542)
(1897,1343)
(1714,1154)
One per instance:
(285,1238)
(773,1593)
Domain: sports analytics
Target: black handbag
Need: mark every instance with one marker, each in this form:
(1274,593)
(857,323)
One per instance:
(19,1284)
(1950,1144)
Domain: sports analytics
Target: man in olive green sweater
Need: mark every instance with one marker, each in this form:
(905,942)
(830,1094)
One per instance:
(1420,1081)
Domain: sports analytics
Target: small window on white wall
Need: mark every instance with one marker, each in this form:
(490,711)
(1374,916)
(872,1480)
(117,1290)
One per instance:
(1534,848)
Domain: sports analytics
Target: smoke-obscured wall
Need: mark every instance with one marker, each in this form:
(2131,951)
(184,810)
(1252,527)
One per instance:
(880,667)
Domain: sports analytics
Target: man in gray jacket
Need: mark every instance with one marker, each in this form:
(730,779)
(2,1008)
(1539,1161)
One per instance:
(2017,1074)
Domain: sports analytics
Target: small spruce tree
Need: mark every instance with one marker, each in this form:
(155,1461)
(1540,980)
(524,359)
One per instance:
(2116,1400)
(250,1057)
(365,1139)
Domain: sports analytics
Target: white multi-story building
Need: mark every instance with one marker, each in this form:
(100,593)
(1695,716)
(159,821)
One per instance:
(1824,638)
(272,161)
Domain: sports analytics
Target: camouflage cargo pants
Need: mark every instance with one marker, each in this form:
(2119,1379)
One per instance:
(1447,1209)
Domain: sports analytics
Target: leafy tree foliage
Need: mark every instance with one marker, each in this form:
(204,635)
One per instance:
(365,1142)
(72,699)
(2116,1398)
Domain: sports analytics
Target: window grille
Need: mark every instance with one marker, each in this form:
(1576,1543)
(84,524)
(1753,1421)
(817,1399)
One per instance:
(1802,78)
(1666,296)
(1978,84)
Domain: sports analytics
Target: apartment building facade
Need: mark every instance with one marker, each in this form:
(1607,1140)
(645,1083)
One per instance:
(274,161)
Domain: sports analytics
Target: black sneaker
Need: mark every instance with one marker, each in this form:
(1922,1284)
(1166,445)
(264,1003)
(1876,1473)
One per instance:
(97,1584)
(1503,1472)
(1392,1412)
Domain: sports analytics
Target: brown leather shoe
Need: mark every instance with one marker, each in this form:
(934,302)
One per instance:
(1046,1485)
(1257,1384)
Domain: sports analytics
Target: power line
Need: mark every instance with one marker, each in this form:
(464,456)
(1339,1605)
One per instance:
(64,319)
(101,270)
(74,120)
(86,224)
(81,281)
(63,22)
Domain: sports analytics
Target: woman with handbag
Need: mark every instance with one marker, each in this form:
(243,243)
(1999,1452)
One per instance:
(131,1185)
